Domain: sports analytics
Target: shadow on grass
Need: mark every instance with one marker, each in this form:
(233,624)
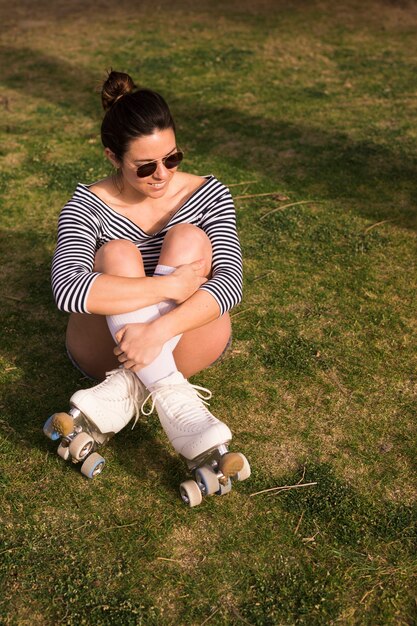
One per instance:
(41,379)
(374,181)
(28,13)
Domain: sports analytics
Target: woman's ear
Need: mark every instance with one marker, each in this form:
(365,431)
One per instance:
(112,158)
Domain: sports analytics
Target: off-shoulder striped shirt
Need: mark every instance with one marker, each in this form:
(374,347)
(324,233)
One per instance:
(86,223)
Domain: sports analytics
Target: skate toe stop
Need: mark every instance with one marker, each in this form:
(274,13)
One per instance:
(63,424)
(231,464)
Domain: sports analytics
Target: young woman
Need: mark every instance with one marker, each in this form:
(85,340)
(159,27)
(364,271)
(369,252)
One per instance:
(148,264)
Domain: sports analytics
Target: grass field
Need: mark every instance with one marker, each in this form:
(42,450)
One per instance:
(307,109)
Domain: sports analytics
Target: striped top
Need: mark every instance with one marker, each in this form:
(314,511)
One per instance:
(86,223)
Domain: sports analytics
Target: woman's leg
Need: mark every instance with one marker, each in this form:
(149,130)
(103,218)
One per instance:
(89,340)
(201,347)
(198,348)
(90,344)
(189,425)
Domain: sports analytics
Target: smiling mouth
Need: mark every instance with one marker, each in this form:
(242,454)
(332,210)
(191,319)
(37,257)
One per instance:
(157,185)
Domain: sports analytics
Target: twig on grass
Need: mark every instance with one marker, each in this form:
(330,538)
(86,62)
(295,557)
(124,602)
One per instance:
(284,488)
(333,378)
(238,616)
(362,600)
(287,206)
(123,525)
(117,526)
(378,224)
(210,616)
(240,312)
(259,195)
(14,298)
(163,558)
(264,275)
(310,539)
(299,523)
(10,549)
(302,477)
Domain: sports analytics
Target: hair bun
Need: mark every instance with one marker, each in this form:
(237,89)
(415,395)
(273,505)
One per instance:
(117,85)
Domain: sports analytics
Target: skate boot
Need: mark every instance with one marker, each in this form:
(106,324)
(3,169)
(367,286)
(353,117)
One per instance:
(96,414)
(199,437)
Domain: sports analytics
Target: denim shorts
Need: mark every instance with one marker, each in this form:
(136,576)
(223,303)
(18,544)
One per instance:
(223,354)
(75,364)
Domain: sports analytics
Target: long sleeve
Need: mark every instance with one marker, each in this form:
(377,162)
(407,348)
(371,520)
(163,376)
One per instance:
(219,223)
(86,223)
(73,261)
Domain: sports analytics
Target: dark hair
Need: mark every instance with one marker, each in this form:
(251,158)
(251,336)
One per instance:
(130,113)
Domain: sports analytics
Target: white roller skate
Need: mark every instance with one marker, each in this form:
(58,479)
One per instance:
(96,414)
(197,436)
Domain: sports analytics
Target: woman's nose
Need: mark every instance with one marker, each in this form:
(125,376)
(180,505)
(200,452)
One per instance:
(161,171)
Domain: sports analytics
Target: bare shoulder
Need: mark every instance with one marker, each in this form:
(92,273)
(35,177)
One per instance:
(103,189)
(188,183)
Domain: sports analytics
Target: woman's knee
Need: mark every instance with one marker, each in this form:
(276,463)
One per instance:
(185,243)
(119,257)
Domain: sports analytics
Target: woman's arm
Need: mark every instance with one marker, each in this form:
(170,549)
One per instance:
(140,344)
(219,223)
(77,288)
(111,295)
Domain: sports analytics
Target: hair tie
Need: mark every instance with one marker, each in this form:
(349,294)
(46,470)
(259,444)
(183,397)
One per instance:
(118,98)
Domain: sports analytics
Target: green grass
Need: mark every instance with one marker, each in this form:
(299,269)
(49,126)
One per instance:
(312,103)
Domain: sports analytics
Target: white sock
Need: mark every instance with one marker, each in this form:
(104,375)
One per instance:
(164,364)
(167,305)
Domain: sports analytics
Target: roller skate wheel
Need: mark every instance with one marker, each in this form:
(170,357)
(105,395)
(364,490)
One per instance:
(63,423)
(231,464)
(80,446)
(190,493)
(49,431)
(207,480)
(224,488)
(63,450)
(245,471)
(93,465)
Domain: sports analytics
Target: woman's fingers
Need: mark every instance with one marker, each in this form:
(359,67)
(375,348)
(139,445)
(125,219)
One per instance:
(188,278)
(131,365)
(120,333)
(128,363)
(138,345)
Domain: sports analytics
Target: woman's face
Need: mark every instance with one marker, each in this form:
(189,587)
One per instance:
(143,150)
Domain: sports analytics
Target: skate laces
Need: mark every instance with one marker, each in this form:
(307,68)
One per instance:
(134,389)
(187,402)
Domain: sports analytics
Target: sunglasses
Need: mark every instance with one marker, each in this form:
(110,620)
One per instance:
(170,161)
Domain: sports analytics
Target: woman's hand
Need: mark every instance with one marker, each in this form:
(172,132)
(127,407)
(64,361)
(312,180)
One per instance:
(138,345)
(186,280)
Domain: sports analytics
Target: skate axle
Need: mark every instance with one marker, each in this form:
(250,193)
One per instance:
(214,475)
(210,457)
(78,440)
(95,415)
